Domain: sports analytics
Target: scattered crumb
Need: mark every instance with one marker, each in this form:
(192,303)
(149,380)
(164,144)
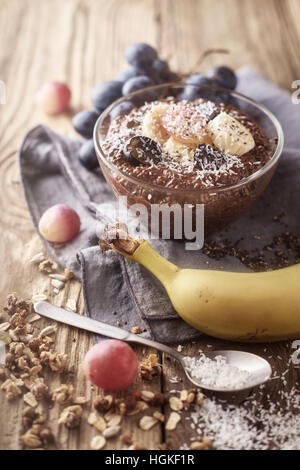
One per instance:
(71,305)
(68,274)
(47,266)
(71,416)
(173,420)
(98,442)
(136,330)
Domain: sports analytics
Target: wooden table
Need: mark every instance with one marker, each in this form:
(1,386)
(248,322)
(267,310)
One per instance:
(82,42)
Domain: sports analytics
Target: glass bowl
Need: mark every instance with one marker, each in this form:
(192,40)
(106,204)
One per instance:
(222,205)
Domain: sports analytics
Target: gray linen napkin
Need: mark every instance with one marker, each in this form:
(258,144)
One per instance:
(118,290)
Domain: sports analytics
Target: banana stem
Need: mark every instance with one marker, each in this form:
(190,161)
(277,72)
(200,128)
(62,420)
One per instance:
(116,238)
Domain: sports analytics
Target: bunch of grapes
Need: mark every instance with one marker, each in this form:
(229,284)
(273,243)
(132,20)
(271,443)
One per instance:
(146,69)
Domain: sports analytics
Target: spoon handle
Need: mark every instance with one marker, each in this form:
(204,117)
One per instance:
(85,323)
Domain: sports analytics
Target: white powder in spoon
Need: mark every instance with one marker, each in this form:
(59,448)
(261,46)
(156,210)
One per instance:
(216,373)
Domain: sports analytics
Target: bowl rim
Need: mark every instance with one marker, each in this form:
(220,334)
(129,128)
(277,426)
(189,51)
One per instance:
(219,189)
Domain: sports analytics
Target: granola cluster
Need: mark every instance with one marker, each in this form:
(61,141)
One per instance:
(32,360)
(110,411)
(30,352)
(150,367)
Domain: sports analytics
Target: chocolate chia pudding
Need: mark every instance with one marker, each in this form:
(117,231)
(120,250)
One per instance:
(176,152)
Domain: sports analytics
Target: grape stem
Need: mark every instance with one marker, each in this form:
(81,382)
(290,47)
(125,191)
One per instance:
(202,58)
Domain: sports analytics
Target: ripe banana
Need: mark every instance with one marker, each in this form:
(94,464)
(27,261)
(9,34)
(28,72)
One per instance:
(230,135)
(249,307)
(152,126)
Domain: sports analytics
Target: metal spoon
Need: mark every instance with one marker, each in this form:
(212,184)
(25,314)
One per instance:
(259,368)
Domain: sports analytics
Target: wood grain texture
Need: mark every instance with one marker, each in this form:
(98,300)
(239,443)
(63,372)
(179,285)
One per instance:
(82,42)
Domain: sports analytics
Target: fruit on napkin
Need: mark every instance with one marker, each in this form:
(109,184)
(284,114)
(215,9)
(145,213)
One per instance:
(87,155)
(59,224)
(250,307)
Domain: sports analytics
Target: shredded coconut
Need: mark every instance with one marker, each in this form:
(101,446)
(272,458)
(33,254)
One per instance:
(216,373)
(250,425)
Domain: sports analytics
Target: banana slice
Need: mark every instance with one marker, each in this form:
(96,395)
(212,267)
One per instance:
(178,150)
(186,124)
(152,126)
(229,135)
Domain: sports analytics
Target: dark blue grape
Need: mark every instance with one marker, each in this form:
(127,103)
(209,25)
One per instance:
(148,72)
(84,122)
(198,79)
(122,108)
(170,76)
(167,77)
(206,157)
(193,92)
(161,69)
(141,150)
(140,55)
(216,96)
(204,152)
(136,83)
(155,74)
(156,71)
(87,155)
(224,77)
(127,74)
(105,93)
(145,96)
(160,66)
(160,81)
